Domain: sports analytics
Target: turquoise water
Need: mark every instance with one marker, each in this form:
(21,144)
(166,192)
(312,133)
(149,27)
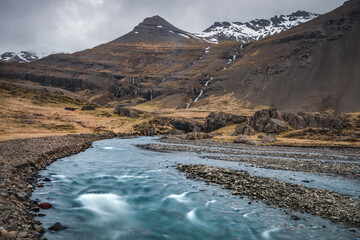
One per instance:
(118,191)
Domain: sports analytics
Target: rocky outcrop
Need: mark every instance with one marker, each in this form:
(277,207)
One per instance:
(273,121)
(300,120)
(267,120)
(218,120)
(243,129)
(127,112)
(188,125)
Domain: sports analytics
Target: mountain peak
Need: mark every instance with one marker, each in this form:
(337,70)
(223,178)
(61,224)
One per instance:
(156,29)
(156,23)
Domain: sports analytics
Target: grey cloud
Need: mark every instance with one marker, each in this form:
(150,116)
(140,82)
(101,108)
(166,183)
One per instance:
(73,25)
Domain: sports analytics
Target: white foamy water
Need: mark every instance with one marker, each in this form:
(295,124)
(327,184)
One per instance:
(191,216)
(209,202)
(104,205)
(178,197)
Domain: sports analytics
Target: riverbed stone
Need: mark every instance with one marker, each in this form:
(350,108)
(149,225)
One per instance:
(244,140)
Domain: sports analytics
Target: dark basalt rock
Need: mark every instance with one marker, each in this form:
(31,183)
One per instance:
(128,112)
(57,227)
(300,120)
(88,108)
(243,129)
(188,125)
(218,120)
(267,120)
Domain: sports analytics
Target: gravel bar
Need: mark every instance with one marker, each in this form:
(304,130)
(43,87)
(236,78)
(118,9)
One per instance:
(323,203)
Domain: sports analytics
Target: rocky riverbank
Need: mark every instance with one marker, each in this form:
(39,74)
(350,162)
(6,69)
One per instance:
(329,205)
(20,160)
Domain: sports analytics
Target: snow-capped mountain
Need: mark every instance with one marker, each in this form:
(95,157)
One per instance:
(21,57)
(255,29)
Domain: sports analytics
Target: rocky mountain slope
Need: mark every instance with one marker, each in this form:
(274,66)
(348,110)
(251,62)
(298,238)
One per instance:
(255,29)
(312,67)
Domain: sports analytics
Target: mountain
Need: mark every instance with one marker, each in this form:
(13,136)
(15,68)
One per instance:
(255,29)
(129,67)
(21,57)
(312,67)
(156,29)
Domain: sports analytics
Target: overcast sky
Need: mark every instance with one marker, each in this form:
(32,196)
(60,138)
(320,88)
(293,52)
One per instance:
(73,25)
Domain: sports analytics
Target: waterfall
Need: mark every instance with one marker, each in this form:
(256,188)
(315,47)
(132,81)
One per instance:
(188,105)
(201,93)
(208,81)
(151,94)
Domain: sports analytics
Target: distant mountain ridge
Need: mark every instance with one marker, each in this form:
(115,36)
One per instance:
(21,57)
(255,29)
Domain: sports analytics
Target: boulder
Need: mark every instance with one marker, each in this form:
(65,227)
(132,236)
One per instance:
(244,140)
(127,112)
(193,136)
(267,120)
(218,120)
(187,125)
(88,108)
(274,126)
(267,138)
(56,227)
(243,129)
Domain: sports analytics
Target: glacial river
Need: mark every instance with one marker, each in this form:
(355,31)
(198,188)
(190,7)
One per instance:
(115,190)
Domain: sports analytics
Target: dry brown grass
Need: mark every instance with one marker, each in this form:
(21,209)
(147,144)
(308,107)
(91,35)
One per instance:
(22,117)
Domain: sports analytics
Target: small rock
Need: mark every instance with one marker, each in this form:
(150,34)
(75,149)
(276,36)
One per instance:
(193,136)
(22,234)
(294,217)
(47,179)
(56,227)
(5,235)
(267,138)
(45,205)
(38,228)
(243,139)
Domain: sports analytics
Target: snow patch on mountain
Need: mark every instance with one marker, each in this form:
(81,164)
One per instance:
(255,29)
